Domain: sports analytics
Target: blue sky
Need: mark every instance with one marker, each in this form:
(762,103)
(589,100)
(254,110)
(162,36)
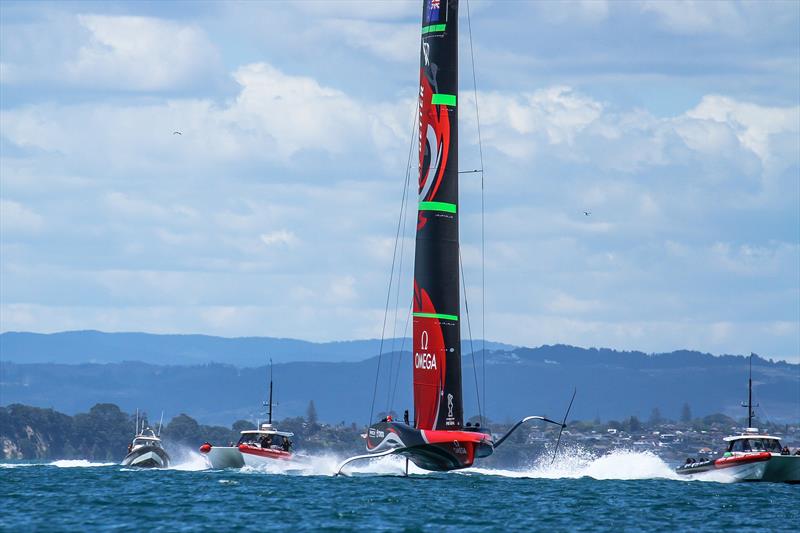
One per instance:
(676,123)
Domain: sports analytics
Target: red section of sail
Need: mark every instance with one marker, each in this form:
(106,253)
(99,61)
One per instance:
(434,144)
(429,362)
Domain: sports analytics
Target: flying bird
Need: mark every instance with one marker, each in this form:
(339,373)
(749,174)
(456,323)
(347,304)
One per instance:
(176,132)
(587,213)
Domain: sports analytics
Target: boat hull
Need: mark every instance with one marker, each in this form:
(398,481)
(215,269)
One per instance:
(437,450)
(221,457)
(749,467)
(254,456)
(783,469)
(147,457)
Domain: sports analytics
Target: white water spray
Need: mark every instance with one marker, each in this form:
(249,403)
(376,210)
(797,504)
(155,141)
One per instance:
(186,459)
(576,462)
(77,463)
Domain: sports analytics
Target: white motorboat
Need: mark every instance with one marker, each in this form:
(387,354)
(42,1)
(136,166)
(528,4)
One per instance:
(782,467)
(256,447)
(750,456)
(263,446)
(146,451)
(749,467)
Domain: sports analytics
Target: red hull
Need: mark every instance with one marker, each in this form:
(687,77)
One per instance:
(266,453)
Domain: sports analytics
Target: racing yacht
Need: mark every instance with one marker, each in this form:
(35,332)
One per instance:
(436,438)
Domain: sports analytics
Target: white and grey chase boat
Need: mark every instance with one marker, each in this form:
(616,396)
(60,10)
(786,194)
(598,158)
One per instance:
(750,456)
(781,466)
(146,451)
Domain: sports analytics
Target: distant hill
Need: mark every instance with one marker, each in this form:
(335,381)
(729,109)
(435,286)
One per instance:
(523,381)
(73,347)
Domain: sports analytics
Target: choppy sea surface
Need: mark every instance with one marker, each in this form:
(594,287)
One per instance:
(620,491)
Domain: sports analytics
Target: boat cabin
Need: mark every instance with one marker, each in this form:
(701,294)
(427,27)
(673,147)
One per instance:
(750,441)
(267,437)
(146,438)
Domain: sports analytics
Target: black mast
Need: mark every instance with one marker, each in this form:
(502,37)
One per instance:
(270,392)
(750,411)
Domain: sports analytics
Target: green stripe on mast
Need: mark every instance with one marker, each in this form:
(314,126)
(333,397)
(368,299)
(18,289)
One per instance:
(440,316)
(444,99)
(432,28)
(437,206)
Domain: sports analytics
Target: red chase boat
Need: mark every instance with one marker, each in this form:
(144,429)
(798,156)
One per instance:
(265,445)
(256,447)
(437,439)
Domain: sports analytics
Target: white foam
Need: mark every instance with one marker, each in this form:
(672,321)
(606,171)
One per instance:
(577,462)
(188,460)
(77,463)
(327,465)
(18,465)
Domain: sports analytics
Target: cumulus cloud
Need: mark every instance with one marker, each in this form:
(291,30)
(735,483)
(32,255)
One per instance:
(753,125)
(130,53)
(280,236)
(691,16)
(16,218)
(140,53)
(390,41)
(274,116)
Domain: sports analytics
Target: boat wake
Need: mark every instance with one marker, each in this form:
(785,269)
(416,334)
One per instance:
(327,465)
(61,463)
(576,462)
(77,463)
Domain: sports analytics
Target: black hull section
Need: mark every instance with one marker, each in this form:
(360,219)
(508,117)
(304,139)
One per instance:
(695,468)
(434,450)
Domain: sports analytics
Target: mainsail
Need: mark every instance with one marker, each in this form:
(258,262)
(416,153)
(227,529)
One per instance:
(437,335)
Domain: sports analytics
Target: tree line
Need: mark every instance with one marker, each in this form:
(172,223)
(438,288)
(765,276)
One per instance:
(103,434)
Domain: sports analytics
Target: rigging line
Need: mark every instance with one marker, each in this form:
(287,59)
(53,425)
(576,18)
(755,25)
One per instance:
(404,208)
(469,329)
(400,355)
(391,278)
(483,209)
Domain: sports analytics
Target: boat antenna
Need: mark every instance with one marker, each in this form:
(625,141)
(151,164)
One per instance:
(750,411)
(160,422)
(269,414)
(136,432)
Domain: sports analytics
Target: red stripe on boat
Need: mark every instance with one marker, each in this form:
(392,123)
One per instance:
(724,462)
(261,452)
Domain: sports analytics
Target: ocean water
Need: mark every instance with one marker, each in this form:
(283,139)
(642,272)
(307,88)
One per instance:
(620,491)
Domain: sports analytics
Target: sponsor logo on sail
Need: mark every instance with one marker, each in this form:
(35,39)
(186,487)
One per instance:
(424,359)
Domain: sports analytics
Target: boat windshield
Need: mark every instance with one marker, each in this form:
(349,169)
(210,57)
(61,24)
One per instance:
(249,438)
(755,445)
(146,442)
